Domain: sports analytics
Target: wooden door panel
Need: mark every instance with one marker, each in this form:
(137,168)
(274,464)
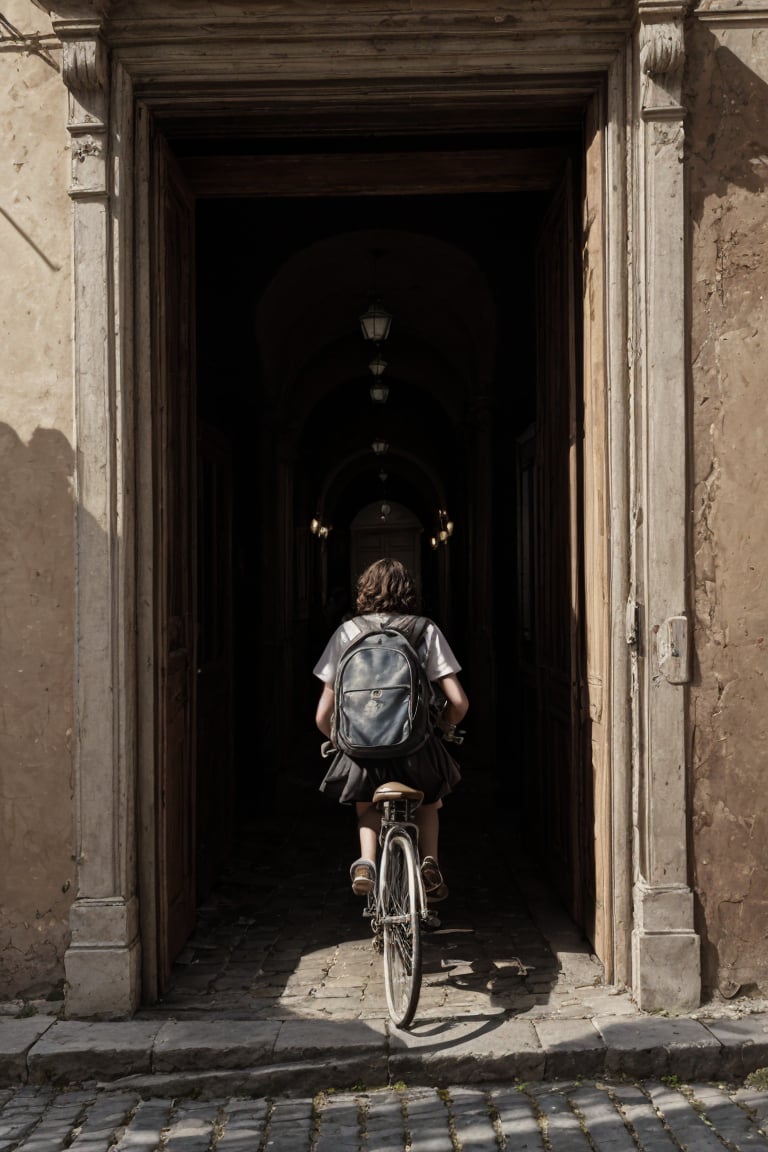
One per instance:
(173,418)
(403,545)
(556,615)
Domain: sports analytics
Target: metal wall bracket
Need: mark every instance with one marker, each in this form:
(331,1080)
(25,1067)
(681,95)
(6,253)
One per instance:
(673,650)
(632,620)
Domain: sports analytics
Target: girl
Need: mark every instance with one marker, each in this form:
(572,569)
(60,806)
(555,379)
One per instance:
(384,590)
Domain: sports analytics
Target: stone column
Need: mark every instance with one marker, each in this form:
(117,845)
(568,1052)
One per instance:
(102,962)
(665,948)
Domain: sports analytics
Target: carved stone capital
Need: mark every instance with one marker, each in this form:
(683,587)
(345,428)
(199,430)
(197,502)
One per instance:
(662,58)
(662,49)
(85,71)
(84,63)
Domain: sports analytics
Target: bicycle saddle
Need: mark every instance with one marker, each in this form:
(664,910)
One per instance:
(394,791)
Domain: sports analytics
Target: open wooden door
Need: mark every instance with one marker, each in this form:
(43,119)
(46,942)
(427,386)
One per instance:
(569,556)
(173,415)
(563,807)
(596,630)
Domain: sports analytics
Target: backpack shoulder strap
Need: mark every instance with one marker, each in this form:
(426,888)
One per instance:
(364,625)
(412,627)
(419,628)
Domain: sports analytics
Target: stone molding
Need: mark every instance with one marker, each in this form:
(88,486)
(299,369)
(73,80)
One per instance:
(665,948)
(725,13)
(102,961)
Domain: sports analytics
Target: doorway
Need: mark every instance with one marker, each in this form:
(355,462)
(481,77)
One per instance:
(483,366)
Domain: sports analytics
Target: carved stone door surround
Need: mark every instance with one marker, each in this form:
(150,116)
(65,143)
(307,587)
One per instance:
(124,72)
(666,964)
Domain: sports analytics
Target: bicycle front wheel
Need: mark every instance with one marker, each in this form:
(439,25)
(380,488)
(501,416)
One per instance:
(402,929)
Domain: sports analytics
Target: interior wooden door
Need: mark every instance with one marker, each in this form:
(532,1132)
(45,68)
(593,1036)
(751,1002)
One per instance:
(564,807)
(174,422)
(399,536)
(215,686)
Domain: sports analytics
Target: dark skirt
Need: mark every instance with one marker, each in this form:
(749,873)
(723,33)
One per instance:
(432,770)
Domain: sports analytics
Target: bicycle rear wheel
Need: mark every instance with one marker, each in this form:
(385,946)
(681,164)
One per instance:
(402,929)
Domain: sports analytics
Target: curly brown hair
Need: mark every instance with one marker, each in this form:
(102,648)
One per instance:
(386,586)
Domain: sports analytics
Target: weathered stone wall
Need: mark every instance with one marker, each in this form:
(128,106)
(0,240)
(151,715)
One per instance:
(728,150)
(36,509)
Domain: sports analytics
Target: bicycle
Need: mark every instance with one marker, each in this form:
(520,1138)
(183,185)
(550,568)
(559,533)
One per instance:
(397,906)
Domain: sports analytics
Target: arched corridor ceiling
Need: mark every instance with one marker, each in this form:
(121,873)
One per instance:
(283,284)
(442,338)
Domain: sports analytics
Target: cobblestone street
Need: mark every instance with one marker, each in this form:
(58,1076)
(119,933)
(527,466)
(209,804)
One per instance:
(588,1116)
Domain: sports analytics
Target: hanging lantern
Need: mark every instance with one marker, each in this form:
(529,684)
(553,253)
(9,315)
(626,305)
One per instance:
(375,323)
(377,365)
(380,447)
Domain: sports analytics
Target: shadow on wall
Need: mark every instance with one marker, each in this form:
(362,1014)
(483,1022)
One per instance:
(36,740)
(727,135)
(727,149)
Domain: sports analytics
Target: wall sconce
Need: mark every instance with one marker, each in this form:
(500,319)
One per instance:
(376,323)
(379,447)
(444,530)
(319,528)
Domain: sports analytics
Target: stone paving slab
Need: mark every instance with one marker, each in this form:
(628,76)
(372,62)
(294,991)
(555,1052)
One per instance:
(572,1048)
(16,1039)
(218,1044)
(468,1050)
(746,1040)
(73,1051)
(302,1040)
(653,1046)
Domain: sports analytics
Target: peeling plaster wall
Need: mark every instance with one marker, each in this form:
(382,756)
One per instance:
(36,509)
(728,150)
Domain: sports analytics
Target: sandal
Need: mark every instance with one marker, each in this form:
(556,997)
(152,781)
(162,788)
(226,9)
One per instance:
(363,876)
(432,877)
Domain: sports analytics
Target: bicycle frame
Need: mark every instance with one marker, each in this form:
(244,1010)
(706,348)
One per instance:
(397,816)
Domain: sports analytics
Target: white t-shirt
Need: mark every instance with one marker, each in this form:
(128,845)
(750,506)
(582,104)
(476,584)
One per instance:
(434,651)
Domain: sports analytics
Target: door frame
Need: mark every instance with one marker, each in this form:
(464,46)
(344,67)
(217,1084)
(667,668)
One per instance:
(117,82)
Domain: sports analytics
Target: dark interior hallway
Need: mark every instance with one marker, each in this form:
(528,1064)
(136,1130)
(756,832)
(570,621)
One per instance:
(464,464)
